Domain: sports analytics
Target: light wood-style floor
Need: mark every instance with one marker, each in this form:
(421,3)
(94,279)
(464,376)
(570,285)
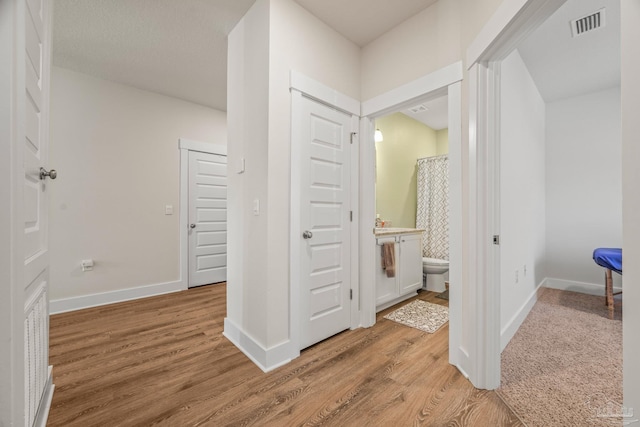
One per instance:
(163,360)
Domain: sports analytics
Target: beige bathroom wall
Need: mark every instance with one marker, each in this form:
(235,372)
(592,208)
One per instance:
(405,141)
(442,142)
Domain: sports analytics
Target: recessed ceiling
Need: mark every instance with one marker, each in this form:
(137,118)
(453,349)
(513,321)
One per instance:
(363,21)
(173,47)
(564,66)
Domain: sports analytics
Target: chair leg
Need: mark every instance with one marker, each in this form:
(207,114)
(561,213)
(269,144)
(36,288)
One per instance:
(609,291)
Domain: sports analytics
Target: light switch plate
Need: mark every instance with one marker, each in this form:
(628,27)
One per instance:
(168,210)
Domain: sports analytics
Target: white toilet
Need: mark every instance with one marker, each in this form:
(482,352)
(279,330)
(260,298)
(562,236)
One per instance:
(435,270)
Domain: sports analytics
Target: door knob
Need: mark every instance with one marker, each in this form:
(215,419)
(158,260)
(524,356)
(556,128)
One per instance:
(51,174)
(307,234)
(192,225)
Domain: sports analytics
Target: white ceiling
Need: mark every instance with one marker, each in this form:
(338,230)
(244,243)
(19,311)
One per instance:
(436,115)
(563,66)
(363,21)
(173,47)
(179,47)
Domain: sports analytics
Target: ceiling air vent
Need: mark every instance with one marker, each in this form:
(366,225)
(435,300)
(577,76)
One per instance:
(418,109)
(588,23)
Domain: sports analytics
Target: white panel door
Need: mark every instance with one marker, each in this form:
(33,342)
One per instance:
(207,218)
(36,184)
(325,219)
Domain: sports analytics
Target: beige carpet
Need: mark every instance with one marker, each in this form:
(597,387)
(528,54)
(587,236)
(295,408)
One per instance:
(564,365)
(421,315)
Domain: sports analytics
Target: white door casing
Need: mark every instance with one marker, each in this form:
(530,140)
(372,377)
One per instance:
(37,373)
(304,87)
(325,217)
(207,218)
(511,23)
(447,81)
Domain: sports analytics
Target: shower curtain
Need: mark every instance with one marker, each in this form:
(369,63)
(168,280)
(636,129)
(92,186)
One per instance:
(433,206)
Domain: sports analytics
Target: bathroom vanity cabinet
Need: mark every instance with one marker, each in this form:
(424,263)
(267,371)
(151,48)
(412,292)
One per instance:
(408,266)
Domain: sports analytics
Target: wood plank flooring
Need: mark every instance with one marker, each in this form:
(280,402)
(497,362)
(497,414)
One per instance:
(163,361)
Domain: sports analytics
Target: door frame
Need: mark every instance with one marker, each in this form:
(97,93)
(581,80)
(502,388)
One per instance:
(12,42)
(445,81)
(303,86)
(513,21)
(186,145)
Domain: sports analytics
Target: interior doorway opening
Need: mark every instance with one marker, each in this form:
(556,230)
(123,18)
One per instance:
(412,193)
(442,83)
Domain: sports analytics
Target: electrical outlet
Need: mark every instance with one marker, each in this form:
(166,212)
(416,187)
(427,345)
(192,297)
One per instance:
(517,276)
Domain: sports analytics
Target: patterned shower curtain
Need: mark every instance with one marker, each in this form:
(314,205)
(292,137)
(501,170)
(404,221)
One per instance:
(433,206)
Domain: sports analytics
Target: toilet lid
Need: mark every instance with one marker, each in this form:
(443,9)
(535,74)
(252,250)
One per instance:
(435,261)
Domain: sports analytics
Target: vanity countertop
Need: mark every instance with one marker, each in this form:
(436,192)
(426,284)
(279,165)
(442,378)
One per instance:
(390,231)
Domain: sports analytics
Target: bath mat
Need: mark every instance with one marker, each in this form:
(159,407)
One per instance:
(444,295)
(421,315)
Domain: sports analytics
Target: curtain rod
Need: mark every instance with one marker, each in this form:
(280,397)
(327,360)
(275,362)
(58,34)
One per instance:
(432,157)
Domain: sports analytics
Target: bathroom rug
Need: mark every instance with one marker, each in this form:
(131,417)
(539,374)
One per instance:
(421,315)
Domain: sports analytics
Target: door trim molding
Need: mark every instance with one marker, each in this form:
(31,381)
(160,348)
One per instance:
(445,81)
(303,86)
(432,85)
(186,145)
(511,23)
(324,94)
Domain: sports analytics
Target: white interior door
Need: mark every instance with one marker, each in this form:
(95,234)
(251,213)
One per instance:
(325,220)
(36,255)
(207,218)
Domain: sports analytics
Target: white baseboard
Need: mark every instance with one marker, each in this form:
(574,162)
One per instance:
(582,287)
(265,359)
(515,322)
(94,300)
(45,401)
(463,362)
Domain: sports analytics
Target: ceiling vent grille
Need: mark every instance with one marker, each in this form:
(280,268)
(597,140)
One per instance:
(588,23)
(418,109)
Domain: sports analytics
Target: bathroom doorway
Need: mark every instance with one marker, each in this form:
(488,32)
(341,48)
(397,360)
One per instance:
(412,182)
(395,104)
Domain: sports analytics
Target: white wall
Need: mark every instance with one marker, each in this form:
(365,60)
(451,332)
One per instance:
(247,114)
(299,41)
(424,43)
(432,39)
(522,193)
(584,185)
(258,295)
(630,88)
(116,151)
